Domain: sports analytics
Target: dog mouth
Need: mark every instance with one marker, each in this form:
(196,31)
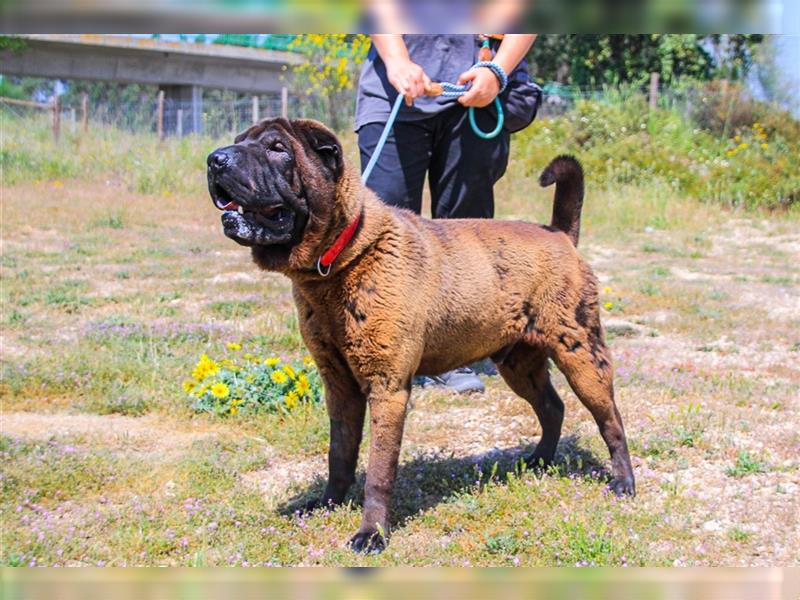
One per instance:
(252,224)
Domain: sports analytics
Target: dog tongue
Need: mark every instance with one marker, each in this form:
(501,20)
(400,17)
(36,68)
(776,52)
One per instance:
(231,206)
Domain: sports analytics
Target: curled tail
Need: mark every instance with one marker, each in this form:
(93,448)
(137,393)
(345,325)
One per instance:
(566,172)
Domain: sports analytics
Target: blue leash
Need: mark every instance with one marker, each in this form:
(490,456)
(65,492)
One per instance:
(449,90)
(384,134)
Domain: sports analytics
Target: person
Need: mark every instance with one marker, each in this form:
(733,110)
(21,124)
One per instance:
(432,136)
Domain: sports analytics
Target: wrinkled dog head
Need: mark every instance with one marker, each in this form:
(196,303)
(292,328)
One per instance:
(277,186)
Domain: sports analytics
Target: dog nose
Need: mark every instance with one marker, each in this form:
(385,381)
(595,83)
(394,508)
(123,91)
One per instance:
(219,159)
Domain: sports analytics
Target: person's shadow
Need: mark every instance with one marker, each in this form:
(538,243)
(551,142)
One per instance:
(432,478)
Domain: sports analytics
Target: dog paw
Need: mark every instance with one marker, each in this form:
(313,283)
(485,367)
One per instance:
(316,503)
(367,542)
(538,463)
(623,486)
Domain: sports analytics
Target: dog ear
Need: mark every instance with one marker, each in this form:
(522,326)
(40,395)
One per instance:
(324,143)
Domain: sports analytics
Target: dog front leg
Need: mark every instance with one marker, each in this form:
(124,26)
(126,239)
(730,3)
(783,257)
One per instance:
(346,433)
(346,405)
(387,418)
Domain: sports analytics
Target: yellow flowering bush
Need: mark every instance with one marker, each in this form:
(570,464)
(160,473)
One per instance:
(249,383)
(329,74)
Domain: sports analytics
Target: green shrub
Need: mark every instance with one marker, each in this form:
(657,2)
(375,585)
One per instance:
(250,383)
(620,141)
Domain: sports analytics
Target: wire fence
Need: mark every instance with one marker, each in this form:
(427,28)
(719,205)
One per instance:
(224,117)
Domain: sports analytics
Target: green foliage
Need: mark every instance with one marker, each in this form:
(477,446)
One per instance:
(67,296)
(250,384)
(620,141)
(230,309)
(737,534)
(594,60)
(10,42)
(746,464)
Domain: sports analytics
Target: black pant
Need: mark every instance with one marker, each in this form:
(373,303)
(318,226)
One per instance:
(462,168)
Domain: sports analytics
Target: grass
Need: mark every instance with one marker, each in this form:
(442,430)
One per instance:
(120,279)
(201,516)
(746,464)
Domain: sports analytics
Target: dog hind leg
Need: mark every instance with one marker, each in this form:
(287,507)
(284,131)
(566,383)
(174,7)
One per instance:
(585,362)
(524,368)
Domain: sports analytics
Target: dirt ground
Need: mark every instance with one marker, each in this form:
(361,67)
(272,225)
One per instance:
(705,335)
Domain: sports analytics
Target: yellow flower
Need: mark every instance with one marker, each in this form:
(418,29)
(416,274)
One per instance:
(226,363)
(234,410)
(250,378)
(279,377)
(205,368)
(744,146)
(289,371)
(765,145)
(608,305)
(730,153)
(302,386)
(233,346)
(220,390)
(291,399)
(308,361)
(737,138)
(606,290)
(189,385)
(271,362)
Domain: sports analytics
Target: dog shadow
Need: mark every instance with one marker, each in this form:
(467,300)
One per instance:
(431,478)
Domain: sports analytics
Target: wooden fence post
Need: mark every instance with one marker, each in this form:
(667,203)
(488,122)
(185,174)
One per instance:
(85,112)
(56,117)
(255,110)
(653,91)
(285,102)
(179,124)
(160,115)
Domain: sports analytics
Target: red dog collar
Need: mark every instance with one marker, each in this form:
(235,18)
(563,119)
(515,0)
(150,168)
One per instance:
(326,260)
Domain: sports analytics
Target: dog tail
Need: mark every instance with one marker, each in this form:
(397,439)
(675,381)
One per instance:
(566,172)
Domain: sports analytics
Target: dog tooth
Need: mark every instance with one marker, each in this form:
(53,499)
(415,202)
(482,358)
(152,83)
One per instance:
(241,210)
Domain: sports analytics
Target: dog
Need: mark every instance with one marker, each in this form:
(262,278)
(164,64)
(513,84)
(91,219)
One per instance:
(383,295)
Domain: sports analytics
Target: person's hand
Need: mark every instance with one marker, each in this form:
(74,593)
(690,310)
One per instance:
(408,78)
(484,89)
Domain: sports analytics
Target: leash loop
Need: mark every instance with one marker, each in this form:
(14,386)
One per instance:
(494,132)
(453,90)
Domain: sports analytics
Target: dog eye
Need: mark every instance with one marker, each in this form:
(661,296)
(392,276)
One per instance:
(277,147)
